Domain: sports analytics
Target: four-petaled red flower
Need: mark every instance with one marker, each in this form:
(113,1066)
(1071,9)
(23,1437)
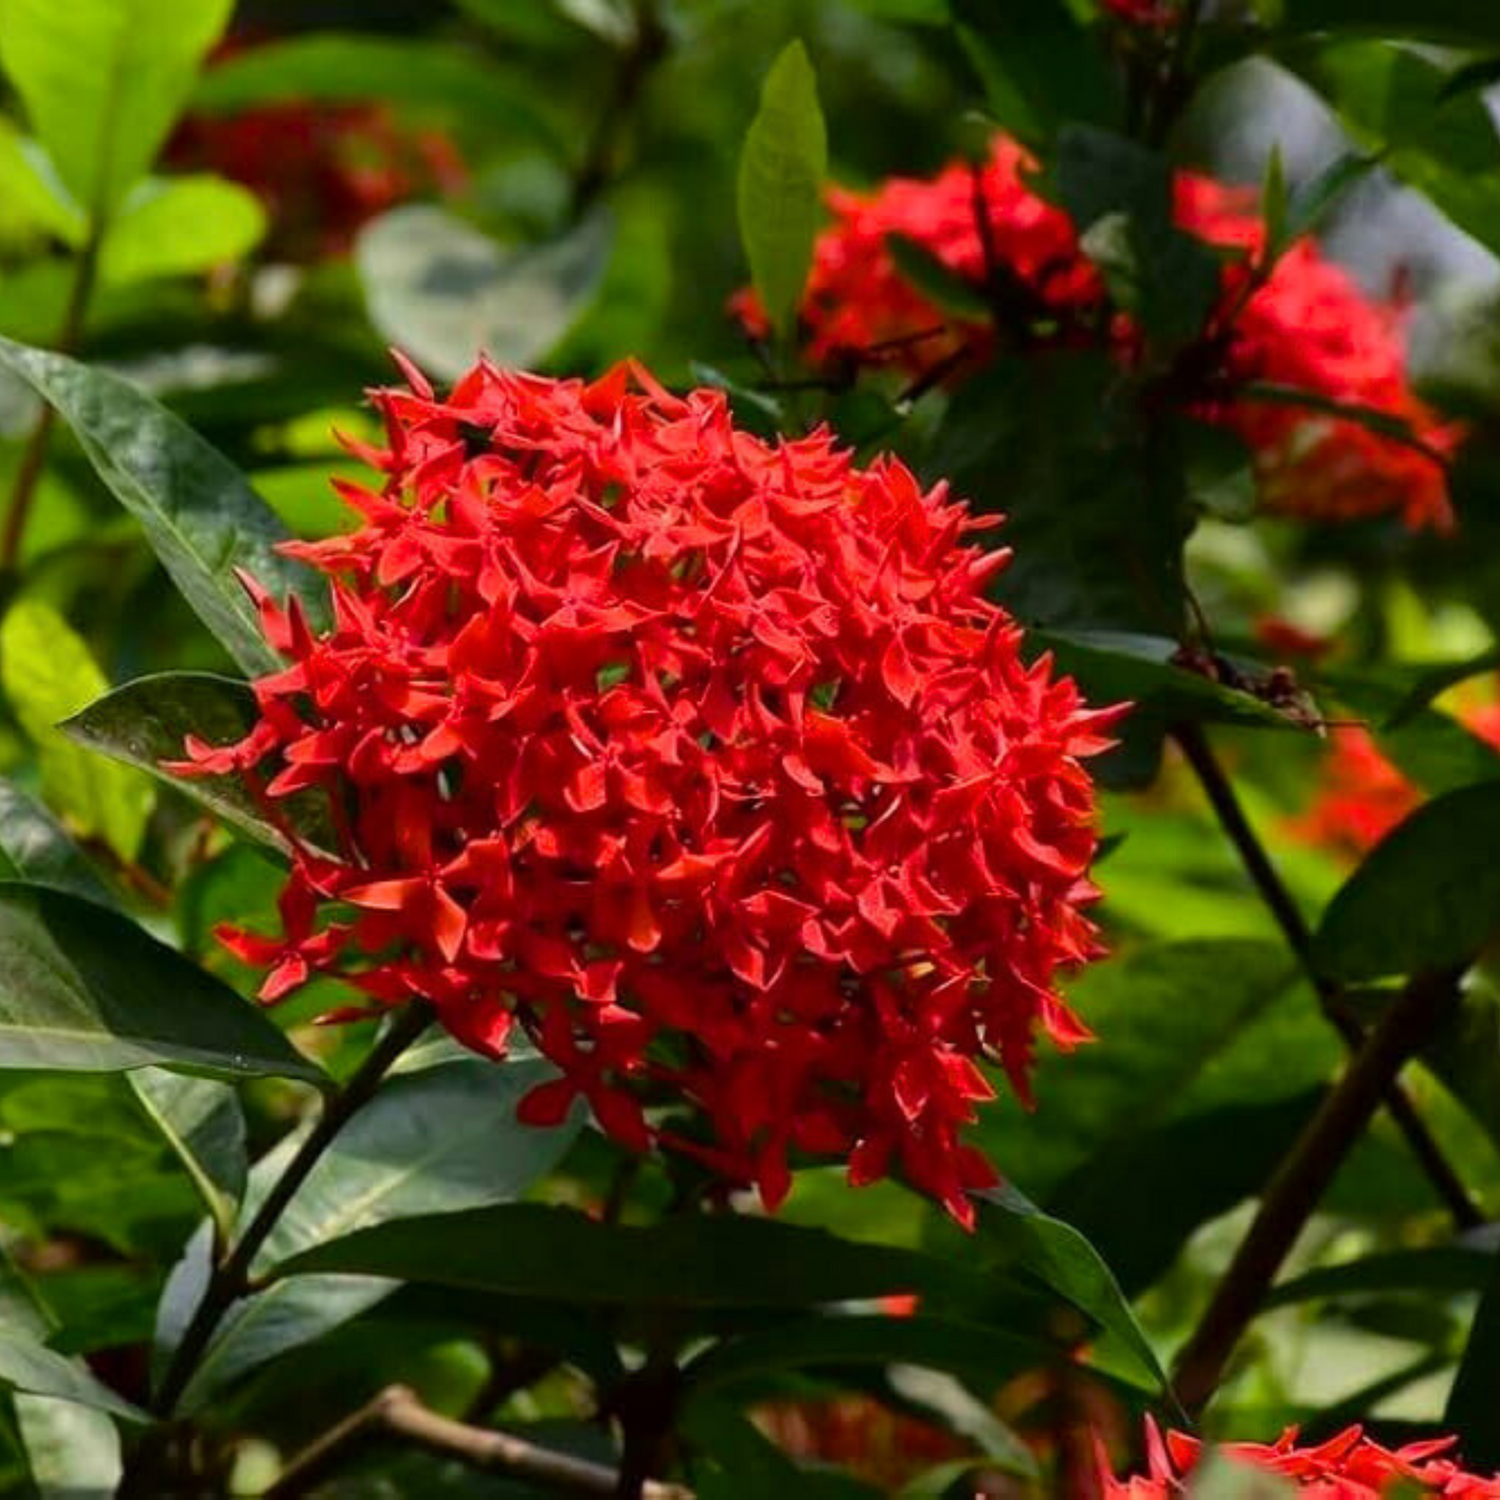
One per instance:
(1347,1467)
(705,761)
(1304,325)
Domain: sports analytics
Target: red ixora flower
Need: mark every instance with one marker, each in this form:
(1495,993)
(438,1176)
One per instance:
(1307,325)
(705,761)
(1347,1467)
(322,170)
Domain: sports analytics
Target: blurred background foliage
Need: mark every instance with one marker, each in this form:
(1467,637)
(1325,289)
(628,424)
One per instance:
(555,181)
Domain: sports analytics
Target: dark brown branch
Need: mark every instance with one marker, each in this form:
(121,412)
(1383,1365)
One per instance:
(1409,1023)
(229,1281)
(397,1412)
(1226,805)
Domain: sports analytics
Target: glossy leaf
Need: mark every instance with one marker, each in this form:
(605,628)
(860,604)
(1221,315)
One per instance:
(26,1365)
(1426,897)
(103,81)
(1471,1402)
(201,518)
(35,848)
(84,989)
(181,226)
(445,293)
(201,1121)
(145,723)
(435,1141)
(48,674)
(780,191)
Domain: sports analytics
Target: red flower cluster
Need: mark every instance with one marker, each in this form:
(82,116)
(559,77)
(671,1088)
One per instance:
(321,170)
(704,760)
(1362,796)
(1305,325)
(1347,1467)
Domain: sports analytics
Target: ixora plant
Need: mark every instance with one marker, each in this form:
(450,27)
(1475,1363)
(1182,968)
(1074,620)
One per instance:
(890,893)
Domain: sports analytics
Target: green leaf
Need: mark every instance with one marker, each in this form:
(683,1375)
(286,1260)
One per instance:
(48,674)
(73,1451)
(1039,66)
(1464,1266)
(145,723)
(735,1459)
(200,517)
(780,191)
(1056,1256)
(1455,21)
(434,1141)
(26,1365)
(83,989)
(35,847)
(1437,680)
(1471,1402)
(32,191)
(202,1122)
(1308,206)
(936,280)
(1217,1477)
(181,226)
(445,293)
(104,80)
(1426,897)
(722,1261)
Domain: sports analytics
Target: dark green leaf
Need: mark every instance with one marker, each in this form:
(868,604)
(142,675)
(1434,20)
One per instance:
(1471,1403)
(441,1139)
(201,518)
(146,722)
(745,1462)
(780,194)
(202,1122)
(445,293)
(1437,680)
(35,848)
(1456,21)
(84,989)
(1464,1266)
(938,282)
(1426,897)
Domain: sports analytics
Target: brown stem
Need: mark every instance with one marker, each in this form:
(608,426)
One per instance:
(34,457)
(1226,805)
(399,1413)
(1407,1026)
(230,1279)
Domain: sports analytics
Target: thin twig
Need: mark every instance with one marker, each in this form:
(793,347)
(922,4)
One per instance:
(1226,805)
(398,1412)
(229,1281)
(34,457)
(1408,1025)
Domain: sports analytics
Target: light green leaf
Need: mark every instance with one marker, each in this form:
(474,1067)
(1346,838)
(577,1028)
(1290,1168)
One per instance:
(83,989)
(73,1451)
(1220,1478)
(782,167)
(26,1365)
(104,80)
(445,293)
(199,515)
(48,674)
(31,189)
(181,226)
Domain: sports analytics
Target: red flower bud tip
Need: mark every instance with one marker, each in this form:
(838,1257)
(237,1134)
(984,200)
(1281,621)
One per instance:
(707,762)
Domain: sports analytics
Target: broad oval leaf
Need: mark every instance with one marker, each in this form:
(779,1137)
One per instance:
(181,226)
(780,192)
(72,1451)
(440,1139)
(35,848)
(1426,897)
(445,293)
(146,722)
(83,989)
(199,515)
(104,80)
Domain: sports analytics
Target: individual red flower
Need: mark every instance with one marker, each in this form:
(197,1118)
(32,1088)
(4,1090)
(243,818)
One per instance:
(705,761)
(1305,325)
(1347,1467)
(321,170)
(1362,796)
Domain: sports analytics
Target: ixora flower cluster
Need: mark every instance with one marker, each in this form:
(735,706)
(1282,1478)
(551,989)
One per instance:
(705,761)
(1303,324)
(321,170)
(1347,1467)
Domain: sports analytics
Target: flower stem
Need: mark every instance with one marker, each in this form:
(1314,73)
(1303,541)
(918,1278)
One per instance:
(1221,795)
(1408,1024)
(34,455)
(230,1277)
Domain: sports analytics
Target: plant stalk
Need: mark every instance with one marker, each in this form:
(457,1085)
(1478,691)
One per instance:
(1226,805)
